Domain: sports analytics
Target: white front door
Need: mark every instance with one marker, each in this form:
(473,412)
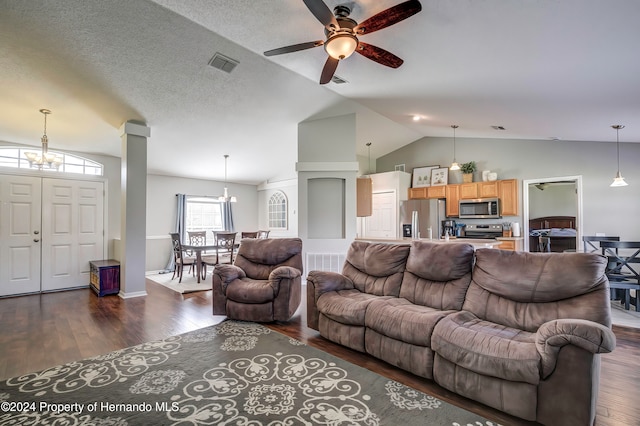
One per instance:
(72,231)
(383,220)
(19,234)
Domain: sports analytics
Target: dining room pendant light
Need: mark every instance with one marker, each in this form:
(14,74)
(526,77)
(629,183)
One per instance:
(618,180)
(44,158)
(225,197)
(454,164)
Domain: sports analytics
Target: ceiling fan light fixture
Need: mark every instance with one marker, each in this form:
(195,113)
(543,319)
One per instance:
(341,45)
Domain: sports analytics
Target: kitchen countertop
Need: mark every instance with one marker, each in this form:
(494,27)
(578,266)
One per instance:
(476,243)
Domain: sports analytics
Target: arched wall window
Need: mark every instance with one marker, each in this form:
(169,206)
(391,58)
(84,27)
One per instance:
(278,211)
(14,157)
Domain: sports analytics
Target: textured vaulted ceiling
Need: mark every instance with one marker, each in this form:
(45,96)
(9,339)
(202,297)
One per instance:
(541,68)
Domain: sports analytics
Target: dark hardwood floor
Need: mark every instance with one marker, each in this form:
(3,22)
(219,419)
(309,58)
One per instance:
(41,331)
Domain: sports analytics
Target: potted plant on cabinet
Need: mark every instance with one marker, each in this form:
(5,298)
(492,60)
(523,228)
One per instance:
(467,170)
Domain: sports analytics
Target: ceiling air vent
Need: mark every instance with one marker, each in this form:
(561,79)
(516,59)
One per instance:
(223,63)
(338,80)
(498,128)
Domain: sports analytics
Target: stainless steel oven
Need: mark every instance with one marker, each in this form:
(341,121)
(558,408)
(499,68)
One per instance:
(480,208)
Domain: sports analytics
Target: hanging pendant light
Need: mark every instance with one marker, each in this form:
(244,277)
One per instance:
(44,158)
(618,180)
(225,197)
(454,164)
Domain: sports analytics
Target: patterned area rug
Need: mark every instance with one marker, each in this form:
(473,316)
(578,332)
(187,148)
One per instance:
(189,282)
(233,373)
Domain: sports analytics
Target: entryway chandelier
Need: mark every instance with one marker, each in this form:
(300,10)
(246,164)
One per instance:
(226,197)
(618,180)
(44,158)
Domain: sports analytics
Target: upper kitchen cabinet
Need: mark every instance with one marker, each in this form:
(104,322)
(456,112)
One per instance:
(489,189)
(468,191)
(427,192)
(508,194)
(452,205)
(364,189)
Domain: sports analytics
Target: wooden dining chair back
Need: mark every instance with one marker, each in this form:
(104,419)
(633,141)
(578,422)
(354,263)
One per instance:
(180,257)
(623,269)
(197,238)
(263,235)
(249,234)
(591,243)
(544,244)
(225,244)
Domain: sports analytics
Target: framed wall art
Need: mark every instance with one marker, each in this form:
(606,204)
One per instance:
(422,176)
(439,176)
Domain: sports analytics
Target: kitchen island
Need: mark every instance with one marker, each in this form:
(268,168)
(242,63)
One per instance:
(475,242)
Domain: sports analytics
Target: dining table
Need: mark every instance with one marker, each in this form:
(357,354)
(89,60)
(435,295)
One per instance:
(198,249)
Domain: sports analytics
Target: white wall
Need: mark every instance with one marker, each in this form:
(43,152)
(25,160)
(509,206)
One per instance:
(609,210)
(290,189)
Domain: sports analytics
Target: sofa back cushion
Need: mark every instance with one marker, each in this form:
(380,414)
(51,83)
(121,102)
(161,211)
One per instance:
(437,275)
(524,290)
(258,257)
(376,268)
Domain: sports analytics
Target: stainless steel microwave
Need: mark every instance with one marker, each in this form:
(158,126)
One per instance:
(479,208)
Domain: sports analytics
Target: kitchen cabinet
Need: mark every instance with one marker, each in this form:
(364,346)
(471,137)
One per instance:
(452,200)
(468,191)
(427,192)
(508,194)
(436,191)
(418,193)
(364,190)
(489,189)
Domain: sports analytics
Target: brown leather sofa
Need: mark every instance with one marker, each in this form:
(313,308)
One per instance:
(520,332)
(263,284)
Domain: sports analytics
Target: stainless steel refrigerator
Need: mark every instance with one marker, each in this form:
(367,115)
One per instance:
(430,214)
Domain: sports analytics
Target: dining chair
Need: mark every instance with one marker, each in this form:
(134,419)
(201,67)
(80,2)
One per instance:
(249,234)
(623,270)
(180,258)
(263,235)
(544,244)
(591,243)
(225,243)
(197,238)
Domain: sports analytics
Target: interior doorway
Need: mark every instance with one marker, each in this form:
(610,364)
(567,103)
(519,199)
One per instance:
(556,198)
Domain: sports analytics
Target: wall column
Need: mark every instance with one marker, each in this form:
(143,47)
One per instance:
(133,220)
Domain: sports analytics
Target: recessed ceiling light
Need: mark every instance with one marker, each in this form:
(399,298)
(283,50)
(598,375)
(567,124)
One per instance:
(416,118)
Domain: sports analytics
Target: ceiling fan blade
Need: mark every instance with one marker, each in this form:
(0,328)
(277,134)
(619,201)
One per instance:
(322,13)
(328,70)
(379,55)
(294,48)
(388,17)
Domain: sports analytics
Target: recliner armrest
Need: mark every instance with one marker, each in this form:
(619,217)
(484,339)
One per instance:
(228,273)
(588,335)
(287,272)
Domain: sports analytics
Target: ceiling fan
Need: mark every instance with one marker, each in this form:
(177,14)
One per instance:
(342,34)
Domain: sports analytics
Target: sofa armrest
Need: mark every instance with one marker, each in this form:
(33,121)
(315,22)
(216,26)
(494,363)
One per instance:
(325,281)
(319,282)
(588,335)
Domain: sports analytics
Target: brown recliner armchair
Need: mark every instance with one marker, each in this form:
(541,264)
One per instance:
(263,284)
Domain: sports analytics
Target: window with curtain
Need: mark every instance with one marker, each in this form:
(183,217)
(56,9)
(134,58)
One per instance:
(278,211)
(204,214)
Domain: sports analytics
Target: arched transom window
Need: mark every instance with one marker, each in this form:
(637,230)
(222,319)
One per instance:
(15,157)
(278,211)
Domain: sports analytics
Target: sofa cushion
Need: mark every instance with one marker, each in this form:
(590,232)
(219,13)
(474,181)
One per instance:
(402,320)
(376,268)
(525,290)
(437,275)
(487,348)
(346,306)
